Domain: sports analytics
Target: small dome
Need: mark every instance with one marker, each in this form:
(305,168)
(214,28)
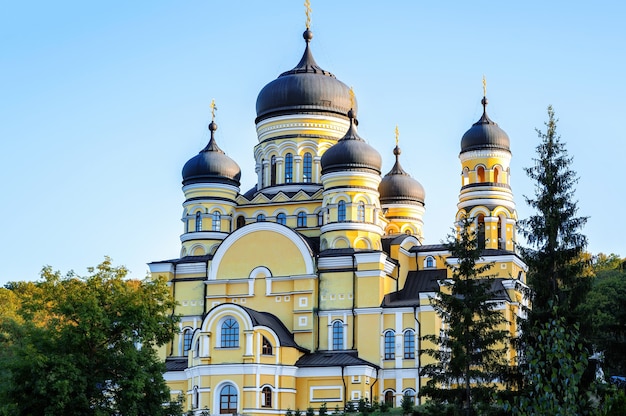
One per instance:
(305,88)
(351,152)
(485,134)
(211,165)
(399,187)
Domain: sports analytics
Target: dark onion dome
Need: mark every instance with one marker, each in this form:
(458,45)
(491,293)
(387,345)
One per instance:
(351,152)
(399,187)
(306,88)
(211,165)
(485,134)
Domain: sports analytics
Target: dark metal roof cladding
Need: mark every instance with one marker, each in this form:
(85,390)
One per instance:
(485,134)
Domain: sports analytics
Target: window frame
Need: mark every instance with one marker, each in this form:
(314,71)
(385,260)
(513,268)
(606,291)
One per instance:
(229,333)
(341,211)
(288,168)
(302,219)
(390,344)
(216,221)
(338,335)
(307,168)
(408,351)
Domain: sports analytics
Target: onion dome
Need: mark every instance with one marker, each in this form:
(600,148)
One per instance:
(399,187)
(305,88)
(211,165)
(485,134)
(351,152)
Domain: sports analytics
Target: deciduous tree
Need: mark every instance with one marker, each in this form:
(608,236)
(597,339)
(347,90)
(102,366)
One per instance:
(86,345)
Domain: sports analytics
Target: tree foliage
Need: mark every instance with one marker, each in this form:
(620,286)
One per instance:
(85,345)
(556,364)
(555,256)
(604,311)
(469,353)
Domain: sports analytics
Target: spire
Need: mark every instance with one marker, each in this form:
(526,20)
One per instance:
(212,146)
(397,168)
(307,11)
(352,134)
(484,119)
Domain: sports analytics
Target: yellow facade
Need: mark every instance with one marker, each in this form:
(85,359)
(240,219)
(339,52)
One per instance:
(314,287)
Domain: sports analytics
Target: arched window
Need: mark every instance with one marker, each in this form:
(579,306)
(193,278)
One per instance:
(288,168)
(195,399)
(198,221)
(262,185)
(480,173)
(307,174)
(390,345)
(187,336)
(320,218)
(281,219)
(267,347)
(273,171)
(338,335)
(217,221)
(241,221)
(389,398)
(480,231)
(301,219)
(341,211)
(260,218)
(430,262)
(496,175)
(361,212)
(409,344)
(228,399)
(410,393)
(230,333)
(266,395)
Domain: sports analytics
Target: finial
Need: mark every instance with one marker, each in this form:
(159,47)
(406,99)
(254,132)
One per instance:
(397,135)
(351,98)
(484,86)
(213,109)
(307,5)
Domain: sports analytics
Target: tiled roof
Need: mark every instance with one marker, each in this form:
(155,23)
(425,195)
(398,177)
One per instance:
(271,321)
(332,359)
(175,364)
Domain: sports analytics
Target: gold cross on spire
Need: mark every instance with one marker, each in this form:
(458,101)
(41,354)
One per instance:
(484,86)
(307,5)
(397,135)
(213,109)
(352,98)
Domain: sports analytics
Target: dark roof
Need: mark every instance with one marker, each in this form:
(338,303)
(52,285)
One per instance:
(273,322)
(390,240)
(426,281)
(485,134)
(252,192)
(351,153)
(187,259)
(428,247)
(399,187)
(304,89)
(332,359)
(338,252)
(421,281)
(211,165)
(175,364)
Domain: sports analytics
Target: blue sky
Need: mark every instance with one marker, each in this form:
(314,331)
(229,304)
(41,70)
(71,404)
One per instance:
(102,103)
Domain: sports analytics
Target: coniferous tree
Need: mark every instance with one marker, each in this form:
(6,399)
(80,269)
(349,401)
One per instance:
(469,352)
(558,283)
(555,256)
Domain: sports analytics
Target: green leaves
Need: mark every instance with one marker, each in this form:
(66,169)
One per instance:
(75,345)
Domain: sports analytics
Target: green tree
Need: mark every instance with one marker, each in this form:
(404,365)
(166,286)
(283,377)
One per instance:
(555,256)
(86,345)
(555,368)
(470,351)
(559,278)
(604,311)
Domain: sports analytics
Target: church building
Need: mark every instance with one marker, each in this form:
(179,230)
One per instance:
(314,287)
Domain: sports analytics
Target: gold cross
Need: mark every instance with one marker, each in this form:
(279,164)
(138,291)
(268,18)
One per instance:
(307,5)
(484,86)
(397,135)
(213,108)
(352,98)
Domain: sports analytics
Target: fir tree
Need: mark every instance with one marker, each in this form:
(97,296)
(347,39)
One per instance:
(555,257)
(469,352)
